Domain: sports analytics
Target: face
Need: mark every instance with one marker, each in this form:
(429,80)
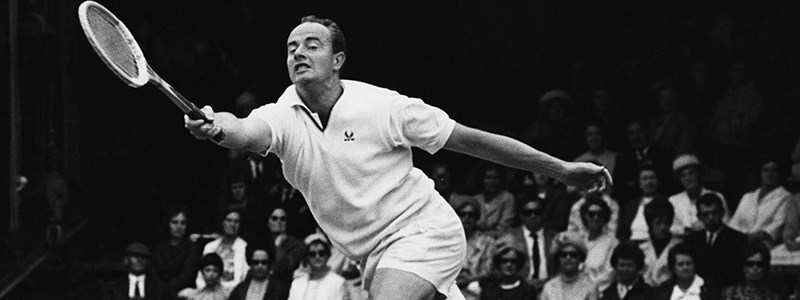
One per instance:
(569,259)
(177,226)
(637,136)
(509,264)
(626,270)
(770,174)
(659,228)
(648,182)
(690,178)
(238,190)
(211,275)
(710,215)
(136,264)
(441,178)
(594,138)
(531,215)
(259,264)
(310,56)
(684,267)
(469,217)
(755,267)
(277,221)
(593,218)
(317,256)
(491,181)
(230,226)
(667,100)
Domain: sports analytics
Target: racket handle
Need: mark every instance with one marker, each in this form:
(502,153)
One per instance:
(196,114)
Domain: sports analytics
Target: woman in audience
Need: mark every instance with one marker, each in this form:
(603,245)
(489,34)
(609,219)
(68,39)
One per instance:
(497,204)
(320,282)
(571,283)
(231,248)
(288,249)
(754,287)
(507,284)
(659,216)
(685,284)
(575,218)
(175,260)
(600,243)
(760,213)
(212,289)
(478,262)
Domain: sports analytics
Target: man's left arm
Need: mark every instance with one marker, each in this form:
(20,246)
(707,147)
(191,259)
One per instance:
(513,153)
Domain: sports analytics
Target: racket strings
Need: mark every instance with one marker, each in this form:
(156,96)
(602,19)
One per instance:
(113,43)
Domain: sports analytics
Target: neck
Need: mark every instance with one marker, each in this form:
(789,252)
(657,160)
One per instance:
(228,239)
(684,283)
(508,280)
(489,196)
(317,273)
(694,193)
(174,241)
(594,234)
(570,276)
(320,97)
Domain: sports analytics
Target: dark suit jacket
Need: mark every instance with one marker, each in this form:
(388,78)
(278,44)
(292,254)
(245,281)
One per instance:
(626,215)
(664,292)
(626,172)
(276,290)
(118,289)
(557,208)
(640,291)
(515,238)
(720,265)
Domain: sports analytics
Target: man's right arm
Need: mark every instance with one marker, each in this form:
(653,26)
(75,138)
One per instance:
(252,134)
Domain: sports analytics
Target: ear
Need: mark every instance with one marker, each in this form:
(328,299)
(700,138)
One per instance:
(338,60)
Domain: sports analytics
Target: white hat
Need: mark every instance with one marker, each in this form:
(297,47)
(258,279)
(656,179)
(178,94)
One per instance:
(316,237)
(685,161)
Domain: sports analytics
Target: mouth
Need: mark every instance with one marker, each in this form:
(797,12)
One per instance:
(301,67)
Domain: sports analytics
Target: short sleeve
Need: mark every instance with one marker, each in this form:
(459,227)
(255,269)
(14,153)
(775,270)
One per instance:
(415,123)
(275,116)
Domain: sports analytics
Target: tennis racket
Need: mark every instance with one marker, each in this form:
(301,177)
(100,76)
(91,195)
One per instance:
(116,46)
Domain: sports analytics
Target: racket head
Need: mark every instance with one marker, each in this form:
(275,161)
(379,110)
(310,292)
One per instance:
(114,43)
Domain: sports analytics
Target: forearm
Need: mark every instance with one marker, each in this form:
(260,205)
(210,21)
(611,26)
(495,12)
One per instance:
(248,134)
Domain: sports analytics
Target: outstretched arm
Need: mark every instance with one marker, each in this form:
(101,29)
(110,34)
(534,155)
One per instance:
(251,134)
(513,153)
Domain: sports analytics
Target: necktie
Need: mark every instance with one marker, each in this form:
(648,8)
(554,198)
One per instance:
(710,239)
(536,258)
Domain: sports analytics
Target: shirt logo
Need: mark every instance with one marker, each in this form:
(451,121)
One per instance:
(348,136)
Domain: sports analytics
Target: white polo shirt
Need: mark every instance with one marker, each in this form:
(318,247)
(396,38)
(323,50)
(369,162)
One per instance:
(357,173)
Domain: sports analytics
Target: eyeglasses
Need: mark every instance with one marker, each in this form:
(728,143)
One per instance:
(278,219)
(260,262)
(570,254)
(594,214)
(503,261)
(471,214)
(532,212)
(751,264)
(317,253)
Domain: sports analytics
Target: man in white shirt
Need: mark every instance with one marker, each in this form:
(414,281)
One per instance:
(346,146)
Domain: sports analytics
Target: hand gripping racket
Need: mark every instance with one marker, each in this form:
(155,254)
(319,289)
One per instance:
(116,46)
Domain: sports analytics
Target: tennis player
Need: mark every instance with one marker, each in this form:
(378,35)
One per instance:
(346,145)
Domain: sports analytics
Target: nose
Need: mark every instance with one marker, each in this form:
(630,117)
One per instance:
(299,53)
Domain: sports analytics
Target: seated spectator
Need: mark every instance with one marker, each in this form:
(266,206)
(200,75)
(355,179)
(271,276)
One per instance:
(672,128)
(538,266)
(600,243)
(659,216)
(554,130)
(689,172)
(760,213)
(597,149)
(320,282)
(570,282)
(137,284)
(557,203)
(497,204)
(288,249)
(231,250)
(641,152)
(632,225)
(791,230)
(238,194)
(212,289)
(478,262)
(258,285)
(755,268)
(685,284)
(443,183)
(175,260)
(507,283)
(628,284)
(718,247)
(576,222)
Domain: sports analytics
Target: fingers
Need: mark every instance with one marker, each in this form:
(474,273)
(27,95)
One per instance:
(201,129)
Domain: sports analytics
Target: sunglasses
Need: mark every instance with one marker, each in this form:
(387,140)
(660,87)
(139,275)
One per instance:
(263,262)
(471,214)
(534,212)
(750,264)
(317,253)
(568,254)
(276,218)
(503,261)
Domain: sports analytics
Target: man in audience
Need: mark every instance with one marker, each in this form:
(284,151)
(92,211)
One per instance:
(689,172)
(718,247)
(632,225)
(137,285)
(556,201)
(597,149)
(258,285)
(641,152)
(628,262)
(533,237)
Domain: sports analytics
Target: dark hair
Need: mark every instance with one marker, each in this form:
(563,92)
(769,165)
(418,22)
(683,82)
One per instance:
(484,167)
(628,251)
(259,244)
(211,259)
(174,211)
(683,249)
(708,200)
(337,36)
(648,167)
(461,204)
(784,167)
(758,248)
(499,255)
(596,199)
(528,198)
(659,208)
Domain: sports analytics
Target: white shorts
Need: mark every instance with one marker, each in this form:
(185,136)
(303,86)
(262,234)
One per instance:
(432,247)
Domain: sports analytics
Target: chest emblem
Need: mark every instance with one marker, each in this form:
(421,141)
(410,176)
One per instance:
(348,136)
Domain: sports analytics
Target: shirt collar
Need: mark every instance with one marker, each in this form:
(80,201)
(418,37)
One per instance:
(136,278)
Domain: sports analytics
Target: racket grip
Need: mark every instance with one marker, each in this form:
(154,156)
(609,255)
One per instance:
(197,114)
